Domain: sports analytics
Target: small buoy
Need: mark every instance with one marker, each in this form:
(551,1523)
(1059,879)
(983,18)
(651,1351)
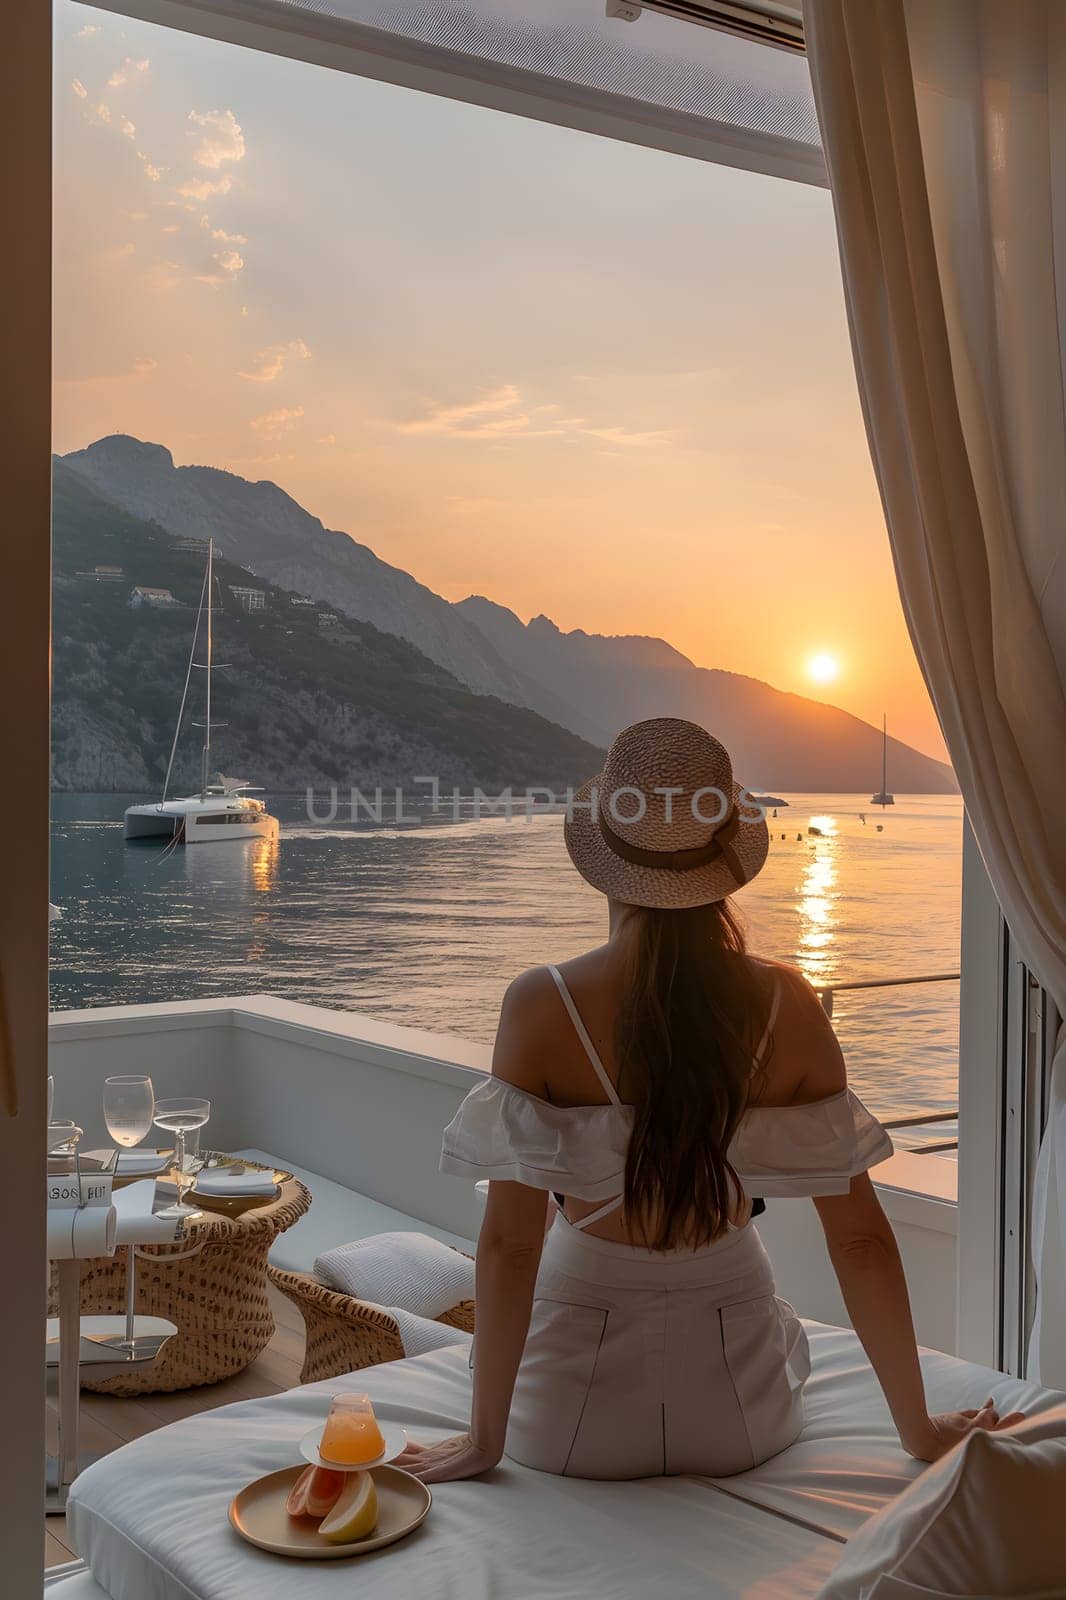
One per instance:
(880,827)
(799,836)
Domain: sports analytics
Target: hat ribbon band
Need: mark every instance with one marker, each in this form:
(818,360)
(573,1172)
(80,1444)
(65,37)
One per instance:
(718,848)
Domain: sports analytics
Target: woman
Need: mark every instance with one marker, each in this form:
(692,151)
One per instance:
(653,1091)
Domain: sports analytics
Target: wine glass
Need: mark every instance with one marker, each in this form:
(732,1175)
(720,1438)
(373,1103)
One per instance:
(129,1102)
(179,1117)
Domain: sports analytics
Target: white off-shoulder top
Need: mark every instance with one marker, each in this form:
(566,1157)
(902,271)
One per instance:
(778,1152)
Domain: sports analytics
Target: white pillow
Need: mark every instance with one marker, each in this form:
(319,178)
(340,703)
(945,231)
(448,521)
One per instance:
(409,1270)
(988,1520)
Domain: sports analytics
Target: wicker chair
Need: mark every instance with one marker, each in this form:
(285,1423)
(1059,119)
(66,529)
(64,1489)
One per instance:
(343,1333)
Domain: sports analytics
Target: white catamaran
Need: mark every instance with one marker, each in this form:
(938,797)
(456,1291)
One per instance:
(223,809)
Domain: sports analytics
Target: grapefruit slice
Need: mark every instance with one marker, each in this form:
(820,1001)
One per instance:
(314,1493)
(355,1514)
(296,1504)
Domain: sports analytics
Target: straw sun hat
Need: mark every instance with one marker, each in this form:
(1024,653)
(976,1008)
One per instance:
(665,824)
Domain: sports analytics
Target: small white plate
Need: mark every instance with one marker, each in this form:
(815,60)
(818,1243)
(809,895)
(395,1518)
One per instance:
(394,1436)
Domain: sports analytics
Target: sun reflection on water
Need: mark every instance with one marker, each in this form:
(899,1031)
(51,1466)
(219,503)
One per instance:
(263,864)
(817,907)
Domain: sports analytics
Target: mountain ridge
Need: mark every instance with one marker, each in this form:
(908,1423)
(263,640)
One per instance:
(589,683)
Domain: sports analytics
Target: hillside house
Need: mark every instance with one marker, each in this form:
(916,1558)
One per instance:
(248,599)
(145,595)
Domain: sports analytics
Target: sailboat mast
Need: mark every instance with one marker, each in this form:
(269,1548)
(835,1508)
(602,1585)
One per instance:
(884,745)
(206,754)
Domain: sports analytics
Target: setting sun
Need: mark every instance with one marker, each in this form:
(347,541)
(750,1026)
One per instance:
(823,668)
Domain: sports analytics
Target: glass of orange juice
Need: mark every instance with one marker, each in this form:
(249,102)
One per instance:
(351,1435)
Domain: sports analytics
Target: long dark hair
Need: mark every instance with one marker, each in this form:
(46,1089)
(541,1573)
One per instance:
(693,1015)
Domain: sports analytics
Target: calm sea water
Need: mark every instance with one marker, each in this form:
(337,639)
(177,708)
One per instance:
(426,924)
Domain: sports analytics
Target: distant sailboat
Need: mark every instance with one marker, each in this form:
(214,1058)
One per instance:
(884,798)
(223,810)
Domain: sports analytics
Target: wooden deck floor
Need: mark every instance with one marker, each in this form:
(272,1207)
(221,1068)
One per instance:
(108,1422)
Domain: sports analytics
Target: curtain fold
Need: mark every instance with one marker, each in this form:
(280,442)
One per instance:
(944,129)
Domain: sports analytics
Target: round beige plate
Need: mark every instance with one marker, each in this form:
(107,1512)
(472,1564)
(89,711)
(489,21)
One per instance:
(258,1514)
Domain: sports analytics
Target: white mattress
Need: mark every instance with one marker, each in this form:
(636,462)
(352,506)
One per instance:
(151,1519)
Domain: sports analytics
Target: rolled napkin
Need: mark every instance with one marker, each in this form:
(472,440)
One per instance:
(409,1271)
(221,1184)
(78,1234)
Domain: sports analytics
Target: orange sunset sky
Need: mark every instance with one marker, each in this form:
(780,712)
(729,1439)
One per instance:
(579,377)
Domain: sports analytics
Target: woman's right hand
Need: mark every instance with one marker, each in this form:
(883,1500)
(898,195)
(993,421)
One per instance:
(941,1433)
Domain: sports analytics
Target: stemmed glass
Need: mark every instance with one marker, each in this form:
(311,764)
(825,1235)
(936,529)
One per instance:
(179,1117)
(129,1106)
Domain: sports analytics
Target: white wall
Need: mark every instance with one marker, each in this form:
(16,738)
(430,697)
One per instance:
(364,1103)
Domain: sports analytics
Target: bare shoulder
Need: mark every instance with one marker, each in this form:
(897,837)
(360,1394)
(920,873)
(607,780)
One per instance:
(806,1062)
(524,1032)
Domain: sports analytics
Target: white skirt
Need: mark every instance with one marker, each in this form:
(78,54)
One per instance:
(640,1363)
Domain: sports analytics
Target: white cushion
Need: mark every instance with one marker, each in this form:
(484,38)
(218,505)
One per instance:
(987,1519)
(409,1270)
(337,1214)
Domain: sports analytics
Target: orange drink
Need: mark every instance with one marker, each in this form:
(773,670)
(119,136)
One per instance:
(351,1435)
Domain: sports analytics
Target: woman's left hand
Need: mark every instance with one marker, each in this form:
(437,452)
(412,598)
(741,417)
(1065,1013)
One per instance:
(444,1462)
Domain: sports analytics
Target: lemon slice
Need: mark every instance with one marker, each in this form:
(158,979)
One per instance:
(355,1514)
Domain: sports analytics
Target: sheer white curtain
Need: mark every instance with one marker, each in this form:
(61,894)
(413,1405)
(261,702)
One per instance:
(944,129)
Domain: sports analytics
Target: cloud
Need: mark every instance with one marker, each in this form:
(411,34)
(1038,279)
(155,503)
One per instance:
(327,438)
(274,423)
(497,415)
(119,252)
(623,436)
(204,188)
(500,415)
(491,413)
(136,216)
(151,171)
(101,112)
(126,128)
(79,88)
(270,363)
(87,32)
(225,266)
(143,365)
(128,72)
(221,234)
(222,139)
(172,227)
